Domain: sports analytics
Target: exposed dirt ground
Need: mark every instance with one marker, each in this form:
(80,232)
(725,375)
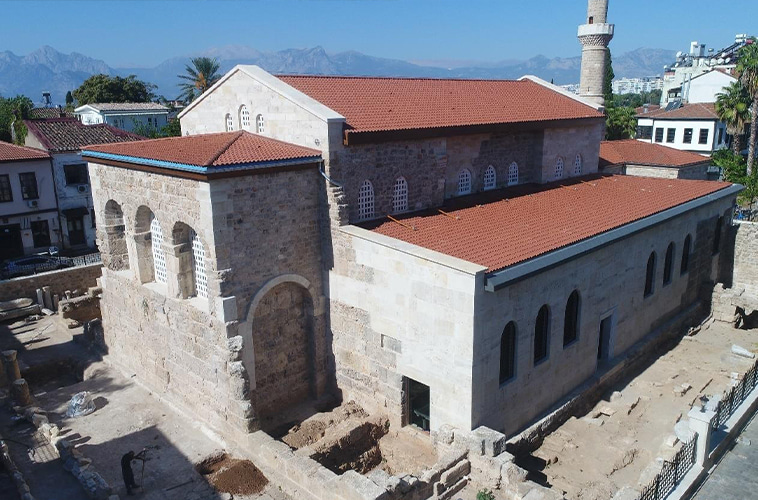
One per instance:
(231,475)
(622,440)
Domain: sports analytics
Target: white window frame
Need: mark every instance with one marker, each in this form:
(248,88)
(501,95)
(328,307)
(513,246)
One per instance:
(229,122)
(260,124)
(244,117)
(400,196)
(198,266)
(159,255)
(464,182)
(578,164)
(513,174)
(490,178)
(559,168)
(366,200)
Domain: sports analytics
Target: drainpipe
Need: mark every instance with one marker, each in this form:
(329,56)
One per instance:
(329,179)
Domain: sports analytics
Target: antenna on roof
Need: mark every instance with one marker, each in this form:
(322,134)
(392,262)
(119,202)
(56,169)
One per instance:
(46,100)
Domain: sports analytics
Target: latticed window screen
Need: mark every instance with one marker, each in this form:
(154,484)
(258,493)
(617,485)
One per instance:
(229,123)
(260,126)
(244,117)
(366,201)
(400,196)
(490,178)
(559,168)
(198,263)
(578,165)
(513,174)
(464,181)
(159,256)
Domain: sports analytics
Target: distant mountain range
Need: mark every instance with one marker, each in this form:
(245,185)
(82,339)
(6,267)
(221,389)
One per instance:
(46,69)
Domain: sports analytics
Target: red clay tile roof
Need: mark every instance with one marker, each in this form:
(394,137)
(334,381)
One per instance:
(698,110)
(69,134)
(645,153)
(211,150)
(11,152)
(382,104)
(500,228)
(650,108)
(42,113)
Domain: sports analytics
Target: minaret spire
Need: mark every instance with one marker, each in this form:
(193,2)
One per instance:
(594,36)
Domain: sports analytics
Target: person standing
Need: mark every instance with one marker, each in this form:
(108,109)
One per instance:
(126,470)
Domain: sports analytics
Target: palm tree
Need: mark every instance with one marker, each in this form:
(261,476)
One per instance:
(747,68)
(733,108)
(201,75)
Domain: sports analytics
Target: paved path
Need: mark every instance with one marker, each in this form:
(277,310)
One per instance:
(735,476)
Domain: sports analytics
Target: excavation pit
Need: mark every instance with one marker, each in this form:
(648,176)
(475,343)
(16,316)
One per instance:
(231,475)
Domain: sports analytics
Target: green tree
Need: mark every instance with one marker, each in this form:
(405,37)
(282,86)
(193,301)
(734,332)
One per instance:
(734,168)
(747,69)
(172,129)
(69,99)
(620,123)
(13,111)
(609,76)
(104,88)
(733,108)
(199,77)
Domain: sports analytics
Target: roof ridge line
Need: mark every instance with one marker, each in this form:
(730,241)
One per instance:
(223,149)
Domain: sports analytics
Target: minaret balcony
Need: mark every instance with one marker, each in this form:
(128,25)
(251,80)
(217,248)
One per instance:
(602,29)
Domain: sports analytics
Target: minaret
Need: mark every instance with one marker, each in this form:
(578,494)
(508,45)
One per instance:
(594,37)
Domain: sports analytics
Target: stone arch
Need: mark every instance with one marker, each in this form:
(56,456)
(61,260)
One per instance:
(115,252)
(143,244)
(278,346)
(188,252)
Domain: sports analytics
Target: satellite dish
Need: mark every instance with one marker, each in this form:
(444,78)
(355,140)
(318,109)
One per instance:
(721,60)
(679,54)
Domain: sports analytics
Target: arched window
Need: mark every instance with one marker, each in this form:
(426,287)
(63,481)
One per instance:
(650,275)
(559,168)
(541,334)
(578,165)
(717,236)
(513,174)
(571,319)
(685,266)
(366,201)
(508,352)
(115,255)
(260,126)
(198,266)
(490,178)
(400,196)
(464,181)
(244,117)
(668,264)
(229,122)
(159,255)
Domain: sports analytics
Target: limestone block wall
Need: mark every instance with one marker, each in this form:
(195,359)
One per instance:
(745,274)
(401,311)
(693,172)
(566,143)
(609,281)
(75,278)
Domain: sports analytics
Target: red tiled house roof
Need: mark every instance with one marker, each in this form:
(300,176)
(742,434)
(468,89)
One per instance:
(388,104)
(632,151)
(501,228)
(208,150)
(69,134)
(11,152)
(687,111)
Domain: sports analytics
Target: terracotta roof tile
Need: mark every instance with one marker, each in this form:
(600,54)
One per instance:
(69,134)
(699,110)
(11,152)
(127,106)
(645,153)
(42,113)
(500,228)
(211,150)
(381,104)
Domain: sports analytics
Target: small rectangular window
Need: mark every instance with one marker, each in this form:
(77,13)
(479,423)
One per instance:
(40,233)
(721,136)
(644,132)
(658,135)
(703,136)
(5,188)
(76,174)
(670,135)
(688,136)
(28,186)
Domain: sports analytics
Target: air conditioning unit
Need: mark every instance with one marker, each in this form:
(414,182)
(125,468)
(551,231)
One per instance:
(82,188)
(33,203)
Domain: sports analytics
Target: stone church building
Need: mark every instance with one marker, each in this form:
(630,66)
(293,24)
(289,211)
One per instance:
(440,251)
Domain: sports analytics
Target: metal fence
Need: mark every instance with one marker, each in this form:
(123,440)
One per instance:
(735,396)
(48,264)
(671,473)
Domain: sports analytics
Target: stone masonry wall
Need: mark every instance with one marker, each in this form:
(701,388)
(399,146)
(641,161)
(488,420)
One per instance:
(745,273)
(76,278)
(610,281)
(694,172)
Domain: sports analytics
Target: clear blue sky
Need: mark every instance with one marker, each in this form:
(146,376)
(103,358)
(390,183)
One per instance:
(144,33)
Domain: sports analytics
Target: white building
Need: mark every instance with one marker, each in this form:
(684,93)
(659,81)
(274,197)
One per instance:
(637,85)
(28,208)
(689,127)
(124,115)
(706,87)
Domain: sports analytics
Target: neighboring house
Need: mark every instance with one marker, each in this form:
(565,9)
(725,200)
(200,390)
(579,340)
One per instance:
(28,208)
(126,115)
(47,113)
(633,157)
(63,139)
(689,127)
(707,87)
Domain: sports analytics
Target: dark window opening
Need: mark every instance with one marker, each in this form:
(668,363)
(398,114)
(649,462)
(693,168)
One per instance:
(541,334)
(703,136)
(670,135)
(686,255)
(688,136)
(6,194)
(571,319)
(658,135)
(650,275)
(717,236)
(604,339)
(668,264)
(40,233)
(508,352)
(721,136)
(76,174)
(28,186)
(417,395)
(591,20)
(645,132)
